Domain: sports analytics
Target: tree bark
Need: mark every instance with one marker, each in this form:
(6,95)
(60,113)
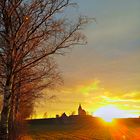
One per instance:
(11,122)
(5,111)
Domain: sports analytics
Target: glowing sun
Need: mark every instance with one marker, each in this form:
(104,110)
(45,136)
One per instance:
(109,112)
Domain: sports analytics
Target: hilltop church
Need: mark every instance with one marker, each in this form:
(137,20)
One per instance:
(81,112)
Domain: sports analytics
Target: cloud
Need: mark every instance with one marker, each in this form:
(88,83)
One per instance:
(118,100)
(89,88)
(132,95)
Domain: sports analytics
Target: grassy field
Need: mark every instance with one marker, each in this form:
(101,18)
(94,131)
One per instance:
(93,130)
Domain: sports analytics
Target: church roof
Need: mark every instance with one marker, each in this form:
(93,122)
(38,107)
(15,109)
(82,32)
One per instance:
(80,106)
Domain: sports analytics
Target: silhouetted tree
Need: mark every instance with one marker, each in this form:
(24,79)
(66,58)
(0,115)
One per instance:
(45,115)
(30,33)
(57,116)
(72,113)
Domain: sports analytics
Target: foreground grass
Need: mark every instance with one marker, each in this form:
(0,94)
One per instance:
(69,133)
(85,131)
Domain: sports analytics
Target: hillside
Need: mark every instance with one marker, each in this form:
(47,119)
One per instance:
(84,128)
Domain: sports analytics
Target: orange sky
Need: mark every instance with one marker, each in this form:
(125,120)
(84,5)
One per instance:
(107,70)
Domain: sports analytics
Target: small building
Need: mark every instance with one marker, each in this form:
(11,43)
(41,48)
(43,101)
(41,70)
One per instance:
(64,115)
(81,112)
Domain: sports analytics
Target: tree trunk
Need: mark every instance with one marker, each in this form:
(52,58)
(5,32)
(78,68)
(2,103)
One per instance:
(11,123)
(5,111)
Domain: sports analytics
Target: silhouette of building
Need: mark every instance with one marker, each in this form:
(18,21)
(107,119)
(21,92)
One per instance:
(64,115)
(81,112)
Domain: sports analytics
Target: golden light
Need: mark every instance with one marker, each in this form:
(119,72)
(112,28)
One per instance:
(108,119)
(26,17)
(109,112)
(86,89)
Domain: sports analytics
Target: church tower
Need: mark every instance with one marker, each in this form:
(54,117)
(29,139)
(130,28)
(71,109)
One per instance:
(79,109)
(81,112)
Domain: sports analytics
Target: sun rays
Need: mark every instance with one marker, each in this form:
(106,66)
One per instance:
(109,112)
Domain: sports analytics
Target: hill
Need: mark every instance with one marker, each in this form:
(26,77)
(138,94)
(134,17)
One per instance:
(84,128)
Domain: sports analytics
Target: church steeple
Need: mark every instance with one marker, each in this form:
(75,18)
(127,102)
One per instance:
(81,111)
(79,107)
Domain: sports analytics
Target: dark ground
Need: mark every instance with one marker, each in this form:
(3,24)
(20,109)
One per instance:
(83,128)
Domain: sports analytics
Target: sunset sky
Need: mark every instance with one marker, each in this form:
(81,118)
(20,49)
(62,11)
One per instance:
(107,70)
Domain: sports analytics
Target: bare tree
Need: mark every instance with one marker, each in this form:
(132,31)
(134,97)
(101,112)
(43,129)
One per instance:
(26,90)
(31,32)
(45,115)
(72,113)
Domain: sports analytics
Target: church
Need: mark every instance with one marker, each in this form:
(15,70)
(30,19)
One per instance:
(81,112)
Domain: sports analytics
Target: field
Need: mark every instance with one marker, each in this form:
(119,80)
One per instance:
(88,130)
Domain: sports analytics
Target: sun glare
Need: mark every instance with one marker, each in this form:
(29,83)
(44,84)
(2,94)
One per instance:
(109,112)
